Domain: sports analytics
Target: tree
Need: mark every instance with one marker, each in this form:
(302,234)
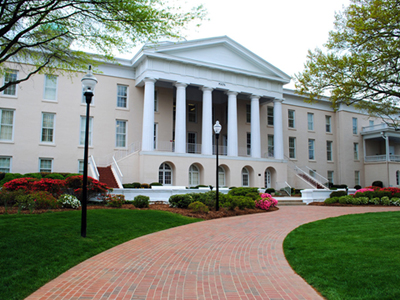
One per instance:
(43,33)
(362,63)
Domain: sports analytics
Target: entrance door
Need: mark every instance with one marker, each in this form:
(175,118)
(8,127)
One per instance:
(267,179)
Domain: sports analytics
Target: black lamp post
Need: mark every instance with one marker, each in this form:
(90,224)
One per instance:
(217,130)
(88,83)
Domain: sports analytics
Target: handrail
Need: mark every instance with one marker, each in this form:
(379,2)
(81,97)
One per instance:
(290,189)
(94,166)
(319,177)
(117,166)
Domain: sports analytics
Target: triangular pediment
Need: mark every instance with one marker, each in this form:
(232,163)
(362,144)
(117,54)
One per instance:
(222,53)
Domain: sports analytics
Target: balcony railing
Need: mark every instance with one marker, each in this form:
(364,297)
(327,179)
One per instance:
(377,127)
(382,158)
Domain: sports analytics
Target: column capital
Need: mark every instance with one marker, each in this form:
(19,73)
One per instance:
(149,79)
(279,100)
(231,93)
(180,84)
(206,88)
(255,97)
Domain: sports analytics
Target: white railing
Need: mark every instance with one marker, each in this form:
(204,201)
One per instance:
(288,189)
(381,158)
(375,127)
(92,163)
(319,178)
(118,173)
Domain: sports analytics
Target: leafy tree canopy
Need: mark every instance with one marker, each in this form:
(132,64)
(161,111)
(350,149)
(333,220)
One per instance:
(41,32)
(361,64)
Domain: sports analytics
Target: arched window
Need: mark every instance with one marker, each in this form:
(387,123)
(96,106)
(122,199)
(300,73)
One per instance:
(267,179)
(245,177)
(165,174)
(194,175)
(221,176)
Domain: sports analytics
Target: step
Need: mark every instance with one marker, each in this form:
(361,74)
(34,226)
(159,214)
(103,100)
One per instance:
(289,201)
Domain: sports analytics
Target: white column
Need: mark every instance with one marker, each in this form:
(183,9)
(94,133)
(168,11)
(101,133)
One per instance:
(232,124)
(148,115)
(207,126)
(278,129)
(255,127)
(180,118)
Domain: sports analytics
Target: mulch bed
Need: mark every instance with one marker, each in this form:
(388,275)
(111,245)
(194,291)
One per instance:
(222,213)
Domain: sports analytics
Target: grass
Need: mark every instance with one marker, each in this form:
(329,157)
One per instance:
(35,249)
(349,257)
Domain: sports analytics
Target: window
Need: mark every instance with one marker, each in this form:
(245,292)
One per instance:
(311,149)
(245,177)
(357,177)
(371,123)
(6,124)
(310,120)
(155,135)
(155,101)
(328,126)
(354,125)
(83,129)
(356,157)
(122,96)
(248,113)
(292,147)
(50,87)
(221,177)
(397,177)
(291,119)
(47,128)
(270,145)
(329,150)
(120,134)
(192,113)
(194,175)
(80,166)
(45,165)
(5,164)
(330,177)
(192,142)
(268,178)
(165,174)
(10,76)
(248,143)
(270,115)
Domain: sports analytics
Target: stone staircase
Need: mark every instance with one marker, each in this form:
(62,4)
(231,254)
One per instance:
(289,201)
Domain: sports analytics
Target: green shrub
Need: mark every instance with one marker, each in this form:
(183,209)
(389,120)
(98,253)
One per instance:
(346,199)
(114,200)
(180,200)
(145,186)
(198,206)
(368,194)
(155,184)
(245,191)
(72,174)
(381,194)
(385,200)
(364,200)
(378,183)
(2,175)
(230,202)
(33,175)
(141,201)
(395,201)
(136,185)
(338,194)
(25,201)
(10,176)
(68,201)
(270,190)
(376,201)
(245,202)
(200,186)
(55,176)
(357,187)
(356,201)
(331,200)
(8,198)
(44,200)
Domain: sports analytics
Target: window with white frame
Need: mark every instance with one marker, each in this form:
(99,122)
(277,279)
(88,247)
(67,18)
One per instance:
(310,121)
(6,124)
(194,175)
(48,122)
(329,150)
(50,87)
(311,149)
(155,135)
(120,134)
(371,122)
(248,113)
(357,177)
(270,145)
(245,177)
(292,147)
(165,174)
(328,123)
(5,164)
(45,165)
(192,113)
(83,130)
(10,76)
(155,101)
(122,96)
(270,115)
(355,147)
(248,143)
(80,166)
(192,142)
(330,177)
(268,179)
(291,118)
(221,176)
(355,130)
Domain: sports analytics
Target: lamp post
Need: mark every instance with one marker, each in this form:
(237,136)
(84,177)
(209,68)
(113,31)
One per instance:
(88,83)
(217,130)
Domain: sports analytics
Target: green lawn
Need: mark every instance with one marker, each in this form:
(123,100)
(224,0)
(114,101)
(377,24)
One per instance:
(349,257)
(37,248)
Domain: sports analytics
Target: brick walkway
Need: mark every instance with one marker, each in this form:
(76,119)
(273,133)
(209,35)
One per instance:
(230,258)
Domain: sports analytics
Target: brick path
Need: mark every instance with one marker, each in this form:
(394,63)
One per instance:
(230,258)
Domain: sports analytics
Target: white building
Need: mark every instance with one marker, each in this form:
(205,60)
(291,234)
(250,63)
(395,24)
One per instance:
(152,118)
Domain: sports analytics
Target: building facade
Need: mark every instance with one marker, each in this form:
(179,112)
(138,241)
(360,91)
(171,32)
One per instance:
(152,120)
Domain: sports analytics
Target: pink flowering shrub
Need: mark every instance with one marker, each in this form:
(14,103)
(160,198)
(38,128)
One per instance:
(266,201)
(367,189)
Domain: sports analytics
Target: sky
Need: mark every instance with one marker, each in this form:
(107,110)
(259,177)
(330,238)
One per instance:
(279,31)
